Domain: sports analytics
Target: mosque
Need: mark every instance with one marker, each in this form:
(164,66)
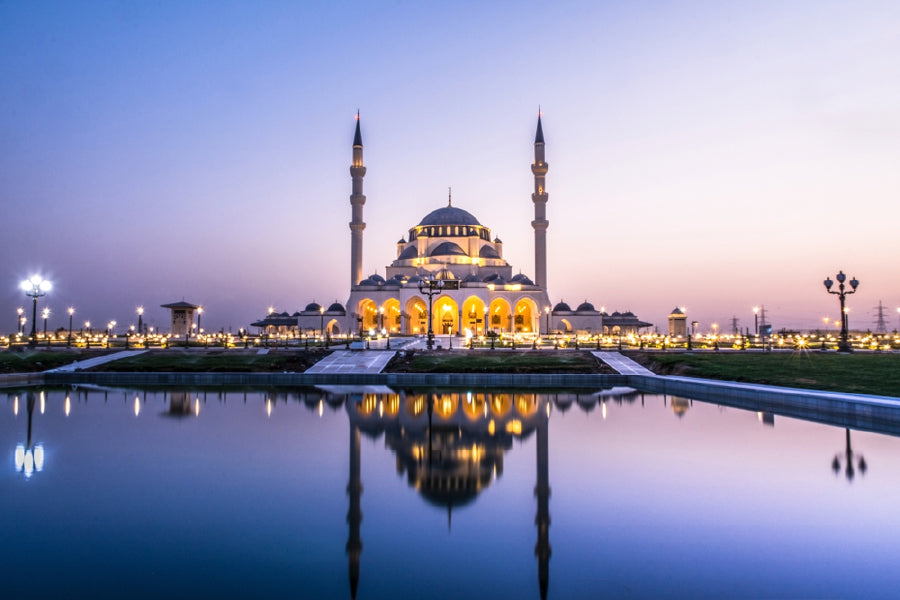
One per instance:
(479,294)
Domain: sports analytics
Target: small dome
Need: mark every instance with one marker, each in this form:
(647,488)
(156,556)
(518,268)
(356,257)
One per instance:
(562,307)
(677,311)
(449,215)
(492,278)
(445,274)
(376,277)
(296,314)
(399,278)
(448,249)
(370,282)
(336,307)
(312,306)
(401,241)
(585,307)
(409,253)
(628,314)
(497,240)
(414,279)
(522,278)
(488,252)
(472,279)
(616,314)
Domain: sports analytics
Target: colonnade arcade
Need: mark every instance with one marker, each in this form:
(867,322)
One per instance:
(451,314)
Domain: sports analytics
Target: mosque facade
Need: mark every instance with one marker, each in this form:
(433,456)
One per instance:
(450,247)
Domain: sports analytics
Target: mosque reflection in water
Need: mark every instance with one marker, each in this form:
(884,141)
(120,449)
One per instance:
(449,445)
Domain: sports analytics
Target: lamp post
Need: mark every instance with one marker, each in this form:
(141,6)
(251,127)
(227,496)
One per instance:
(87,325)
(547,325)
(431,288)
(140,314)
(71,312)
(380,317)
(20,319)
(35,287)
(199,314)
(841,293)
(322,321)
(756,320)
(45,314)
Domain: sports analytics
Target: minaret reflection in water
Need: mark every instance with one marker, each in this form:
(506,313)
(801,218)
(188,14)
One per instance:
(451,447)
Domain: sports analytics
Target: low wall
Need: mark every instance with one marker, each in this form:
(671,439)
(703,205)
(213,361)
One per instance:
(497,380)
(857,411)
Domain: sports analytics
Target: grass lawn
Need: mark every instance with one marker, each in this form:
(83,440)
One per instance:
(215,362)
(498,361)
(31,361)
(862,373)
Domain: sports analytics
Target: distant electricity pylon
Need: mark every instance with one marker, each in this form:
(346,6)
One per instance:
(880,323)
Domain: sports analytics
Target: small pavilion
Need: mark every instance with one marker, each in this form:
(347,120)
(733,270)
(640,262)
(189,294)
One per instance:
(182,317)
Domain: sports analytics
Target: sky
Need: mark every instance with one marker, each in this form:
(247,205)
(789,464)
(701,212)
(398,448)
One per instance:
(714,156)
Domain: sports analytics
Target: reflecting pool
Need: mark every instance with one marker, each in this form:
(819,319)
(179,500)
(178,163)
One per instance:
(376,493)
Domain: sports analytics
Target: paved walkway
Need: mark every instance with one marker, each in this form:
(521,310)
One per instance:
(353,361)
(93,362)
(622,364)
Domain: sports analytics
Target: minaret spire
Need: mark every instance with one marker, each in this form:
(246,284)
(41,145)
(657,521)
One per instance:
(539,197)
(357,200)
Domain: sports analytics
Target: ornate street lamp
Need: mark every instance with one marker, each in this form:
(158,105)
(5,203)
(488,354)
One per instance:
(199,314)
(71,312)
(35,287)
(20,319)
(45,314)
(844,344)
(431,288)
(322,321)
(140,314)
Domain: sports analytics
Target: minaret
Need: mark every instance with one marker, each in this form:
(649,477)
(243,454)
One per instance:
(539,197)
(357,199)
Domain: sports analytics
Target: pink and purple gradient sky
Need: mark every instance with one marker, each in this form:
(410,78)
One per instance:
(709,155)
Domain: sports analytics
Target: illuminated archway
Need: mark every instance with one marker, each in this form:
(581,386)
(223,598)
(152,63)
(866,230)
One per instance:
(566,326)
(392,320)
(499,315)
(417,316)
(473,315)
(526,315)
(332,327)
(368,311)
(445,318)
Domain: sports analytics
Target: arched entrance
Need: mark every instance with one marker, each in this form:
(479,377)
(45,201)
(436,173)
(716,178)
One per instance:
(416,316)
(445,319)
(499,316)
(332,328)
(473,315)
(368,312)
(525,317)
(391,317)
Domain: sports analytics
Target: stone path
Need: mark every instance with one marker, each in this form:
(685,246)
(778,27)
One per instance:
(353,361)
(622,364)
(93,362)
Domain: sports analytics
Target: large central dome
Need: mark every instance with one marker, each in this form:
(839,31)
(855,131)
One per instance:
(449,215)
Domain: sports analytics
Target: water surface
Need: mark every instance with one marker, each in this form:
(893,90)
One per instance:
(126,493)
